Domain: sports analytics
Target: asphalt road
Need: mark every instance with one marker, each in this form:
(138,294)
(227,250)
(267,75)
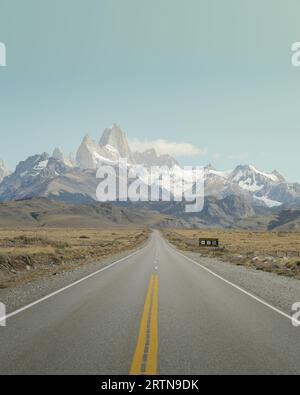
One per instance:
(154,312)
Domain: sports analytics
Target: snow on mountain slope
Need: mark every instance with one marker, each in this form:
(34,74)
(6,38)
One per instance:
(114,146)
(268,202)
(44,174)
(249,178)
(115,140)
(267,189)
(252,178)
(273,177)
(88,153)
(30,177)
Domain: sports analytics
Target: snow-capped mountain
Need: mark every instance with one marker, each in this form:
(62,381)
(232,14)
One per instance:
(115,141)
(30,176)
(112,147)
(215,181)
(90,154)
(69,178)
(3,170)
(252,179)
(258,183)
(45,176)
(269,189)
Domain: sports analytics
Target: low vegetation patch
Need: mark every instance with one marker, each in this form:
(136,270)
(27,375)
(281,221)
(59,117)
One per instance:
(276,252)
(28,254)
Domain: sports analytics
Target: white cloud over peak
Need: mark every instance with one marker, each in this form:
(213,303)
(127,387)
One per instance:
(162,147)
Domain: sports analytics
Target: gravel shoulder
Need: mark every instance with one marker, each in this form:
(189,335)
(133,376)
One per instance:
(281,292)
(22,295)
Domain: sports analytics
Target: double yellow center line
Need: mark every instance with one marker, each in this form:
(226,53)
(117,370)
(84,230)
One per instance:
(145,356)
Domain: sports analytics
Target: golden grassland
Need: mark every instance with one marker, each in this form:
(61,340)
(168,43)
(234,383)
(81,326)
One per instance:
(277,252)
(30,253)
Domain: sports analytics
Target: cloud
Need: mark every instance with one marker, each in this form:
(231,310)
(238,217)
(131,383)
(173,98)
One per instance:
(162,147)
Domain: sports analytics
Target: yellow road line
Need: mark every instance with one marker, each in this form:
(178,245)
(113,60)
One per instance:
(151,367)
(140,348)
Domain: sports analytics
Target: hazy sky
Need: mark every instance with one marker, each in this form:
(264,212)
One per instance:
(216,74)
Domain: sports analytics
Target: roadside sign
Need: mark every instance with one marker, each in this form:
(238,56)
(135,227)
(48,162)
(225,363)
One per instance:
(209,243)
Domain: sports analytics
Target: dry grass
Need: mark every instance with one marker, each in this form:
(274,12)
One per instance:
(277,252)
(28,254)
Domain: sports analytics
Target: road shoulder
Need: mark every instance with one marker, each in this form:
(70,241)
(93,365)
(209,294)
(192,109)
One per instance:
(17,297)
(281,292)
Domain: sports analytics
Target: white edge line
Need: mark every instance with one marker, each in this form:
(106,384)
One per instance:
(235,286)
(68,286)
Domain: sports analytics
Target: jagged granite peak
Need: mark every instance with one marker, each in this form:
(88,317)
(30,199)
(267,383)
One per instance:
(88,153)
(150,158)
(68,160)
(113,147)
(88,139)
(58,154)
(64,177)
(3,170)
(116,138)
(2,164)
(43,175)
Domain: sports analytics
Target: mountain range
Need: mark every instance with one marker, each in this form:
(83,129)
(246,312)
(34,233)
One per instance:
(230,195)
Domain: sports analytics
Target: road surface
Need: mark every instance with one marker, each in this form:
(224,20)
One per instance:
(155,312)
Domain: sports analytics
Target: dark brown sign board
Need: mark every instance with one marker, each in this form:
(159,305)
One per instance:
(209,243)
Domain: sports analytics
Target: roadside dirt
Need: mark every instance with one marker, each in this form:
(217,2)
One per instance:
(26,255)
(274,252)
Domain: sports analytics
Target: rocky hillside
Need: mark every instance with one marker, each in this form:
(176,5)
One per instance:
(286,220)
(42,212)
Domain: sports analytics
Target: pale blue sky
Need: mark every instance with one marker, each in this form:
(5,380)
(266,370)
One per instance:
(214,73)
